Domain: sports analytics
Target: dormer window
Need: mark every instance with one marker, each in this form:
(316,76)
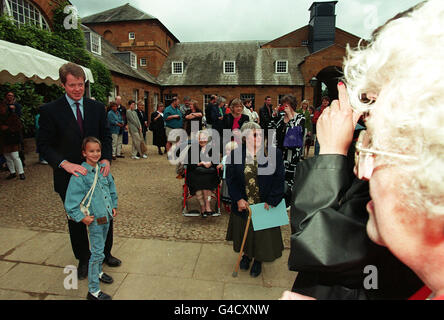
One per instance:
(281,66)
(131,36)
(96,43)
(133,60)
(177,67)
(229,67)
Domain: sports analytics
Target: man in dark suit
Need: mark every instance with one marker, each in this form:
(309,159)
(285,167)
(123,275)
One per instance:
(64,123)
(265,115)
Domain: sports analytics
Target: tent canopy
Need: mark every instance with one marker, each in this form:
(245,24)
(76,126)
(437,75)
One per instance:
(21,63)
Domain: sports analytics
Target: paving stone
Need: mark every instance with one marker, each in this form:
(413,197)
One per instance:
(276,273)
(5,266)
(39,248)
(11,238)
(222,258)
(237,291)
(16,295)
(145,287)
(155,257)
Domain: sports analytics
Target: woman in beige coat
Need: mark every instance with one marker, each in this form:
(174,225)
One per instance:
(135,130)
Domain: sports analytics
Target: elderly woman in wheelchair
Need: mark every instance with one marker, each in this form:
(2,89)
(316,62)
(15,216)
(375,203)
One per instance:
(202,176)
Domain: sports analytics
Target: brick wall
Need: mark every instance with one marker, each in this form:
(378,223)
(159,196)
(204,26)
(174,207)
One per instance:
(151,40)
(290,40)
(229,92)
(126,87)
(46,7)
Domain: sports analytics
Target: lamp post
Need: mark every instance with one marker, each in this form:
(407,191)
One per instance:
(314,82)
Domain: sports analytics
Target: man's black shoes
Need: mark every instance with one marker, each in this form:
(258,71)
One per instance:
(112,262)
(82,270)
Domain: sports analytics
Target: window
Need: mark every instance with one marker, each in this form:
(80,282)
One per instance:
(96,43)
(155,100)
(280,98)
(281,66)
(177,67)
(24,12)
(136,96)
(143,62)
(131,36)
(245,96)
(230,67)
(206,99)
(133,60)
(168,98)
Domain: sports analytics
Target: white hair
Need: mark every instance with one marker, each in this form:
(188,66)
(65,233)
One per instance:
(404,67)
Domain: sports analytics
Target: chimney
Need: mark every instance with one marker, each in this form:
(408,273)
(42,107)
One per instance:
(322,25)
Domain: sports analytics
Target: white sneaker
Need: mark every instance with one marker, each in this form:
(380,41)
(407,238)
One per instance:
(144,156)
(135,157)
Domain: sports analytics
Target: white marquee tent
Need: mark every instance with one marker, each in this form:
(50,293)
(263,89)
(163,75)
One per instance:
(21,63)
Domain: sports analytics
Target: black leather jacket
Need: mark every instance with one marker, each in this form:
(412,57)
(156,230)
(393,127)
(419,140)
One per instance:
(330,247)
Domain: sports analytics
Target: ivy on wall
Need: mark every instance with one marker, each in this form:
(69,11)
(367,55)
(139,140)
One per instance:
(68,44)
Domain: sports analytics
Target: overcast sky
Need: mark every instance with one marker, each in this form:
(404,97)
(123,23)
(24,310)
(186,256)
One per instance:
(231,20)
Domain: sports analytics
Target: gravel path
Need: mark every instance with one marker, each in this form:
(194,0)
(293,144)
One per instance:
(150,203)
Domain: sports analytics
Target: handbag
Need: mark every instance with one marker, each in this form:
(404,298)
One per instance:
(294,137)
(143,147)
(205,170)
(125,137)
(85,208)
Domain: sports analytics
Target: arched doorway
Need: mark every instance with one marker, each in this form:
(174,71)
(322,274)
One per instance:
(328,79)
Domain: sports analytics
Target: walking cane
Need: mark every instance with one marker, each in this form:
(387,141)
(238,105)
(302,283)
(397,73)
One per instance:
(236,269)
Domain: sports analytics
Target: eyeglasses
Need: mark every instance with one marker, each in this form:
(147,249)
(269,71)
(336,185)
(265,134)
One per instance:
(365,157)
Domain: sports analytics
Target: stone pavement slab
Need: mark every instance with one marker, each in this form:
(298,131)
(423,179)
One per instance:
(145,287)
(5,266)
(157,257)
(217,263)
(238,291)
(34,264)
(38,248)
(11,238)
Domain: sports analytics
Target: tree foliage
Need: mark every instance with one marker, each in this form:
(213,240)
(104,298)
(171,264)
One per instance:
(68,44)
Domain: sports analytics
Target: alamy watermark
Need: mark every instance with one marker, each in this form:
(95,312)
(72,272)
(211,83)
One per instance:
(371,280)
(186,151)
(72,19)
(71,280)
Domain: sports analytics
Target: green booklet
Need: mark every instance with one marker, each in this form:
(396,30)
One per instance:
(265,219)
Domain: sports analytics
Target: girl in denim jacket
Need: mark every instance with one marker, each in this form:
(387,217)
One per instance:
(103,208)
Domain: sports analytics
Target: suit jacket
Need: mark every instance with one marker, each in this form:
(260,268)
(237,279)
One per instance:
(214,116)
(271,187)
(142,118)
(133,121)
(60,138)
(265,115)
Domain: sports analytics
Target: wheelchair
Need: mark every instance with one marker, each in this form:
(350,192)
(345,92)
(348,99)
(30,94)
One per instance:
(186,196)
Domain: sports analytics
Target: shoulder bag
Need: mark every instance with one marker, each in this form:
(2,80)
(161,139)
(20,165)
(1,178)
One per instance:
(85,208)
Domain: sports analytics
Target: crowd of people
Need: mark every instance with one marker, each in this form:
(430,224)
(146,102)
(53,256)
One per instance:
(371,196)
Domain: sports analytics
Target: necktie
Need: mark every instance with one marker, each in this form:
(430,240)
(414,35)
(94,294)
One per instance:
(79,117)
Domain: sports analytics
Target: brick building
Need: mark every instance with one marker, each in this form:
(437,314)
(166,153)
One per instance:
(300,63)
(148,62)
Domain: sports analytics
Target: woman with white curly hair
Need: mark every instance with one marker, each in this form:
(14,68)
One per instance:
(398,79)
